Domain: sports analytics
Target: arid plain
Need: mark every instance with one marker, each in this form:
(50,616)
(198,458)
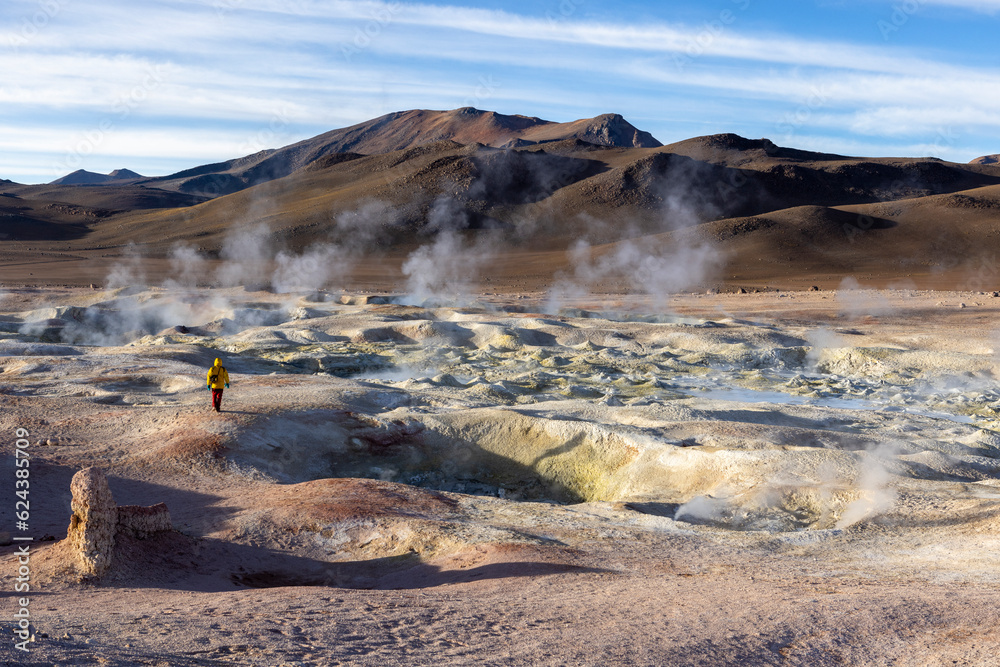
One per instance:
(713,403)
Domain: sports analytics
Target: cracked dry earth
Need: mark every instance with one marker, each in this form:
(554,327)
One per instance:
(769,479)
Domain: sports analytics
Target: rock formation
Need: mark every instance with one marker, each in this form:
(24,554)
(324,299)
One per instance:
(94,522)
(142,521)
(97,520)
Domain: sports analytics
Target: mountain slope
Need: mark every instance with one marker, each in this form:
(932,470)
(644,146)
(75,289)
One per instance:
(407,129)
(401,131)
(543,195)
(957,233)
(84,177)
(531,186)
(732,150)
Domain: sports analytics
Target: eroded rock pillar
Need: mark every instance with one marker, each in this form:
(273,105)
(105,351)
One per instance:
(94,522)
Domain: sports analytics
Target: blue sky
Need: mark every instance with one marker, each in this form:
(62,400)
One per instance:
(163,85)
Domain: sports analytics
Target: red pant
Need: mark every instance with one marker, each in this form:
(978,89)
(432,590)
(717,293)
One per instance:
(217,399)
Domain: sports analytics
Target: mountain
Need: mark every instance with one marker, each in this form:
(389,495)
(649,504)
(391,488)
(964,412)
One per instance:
(84,177)
(550,194)
(735,151)
(389,185)
(408,129)
(400,131)
(986,159)
(948,240)
(124,174)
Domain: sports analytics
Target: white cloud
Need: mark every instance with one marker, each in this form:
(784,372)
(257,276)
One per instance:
(906,121)
(947,148)
(239,64)
(984,6)
(662,38)
(61,150)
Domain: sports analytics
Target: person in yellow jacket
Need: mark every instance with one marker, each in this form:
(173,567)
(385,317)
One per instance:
(218,377)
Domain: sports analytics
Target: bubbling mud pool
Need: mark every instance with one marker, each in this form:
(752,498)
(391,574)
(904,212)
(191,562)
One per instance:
(722,423)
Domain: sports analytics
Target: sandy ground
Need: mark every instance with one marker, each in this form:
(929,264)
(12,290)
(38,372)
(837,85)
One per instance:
(499,276)
(806,478)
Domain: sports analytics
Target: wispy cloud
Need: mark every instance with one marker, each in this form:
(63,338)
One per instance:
(663,38)
(197,69)
(984,6)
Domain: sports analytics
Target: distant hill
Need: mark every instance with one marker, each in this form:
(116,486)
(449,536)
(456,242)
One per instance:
(906,238)
(549,194)
(390,184)
(733,150)
(407,129)
(124,174)
(986,159)
(84,177)
(400,131)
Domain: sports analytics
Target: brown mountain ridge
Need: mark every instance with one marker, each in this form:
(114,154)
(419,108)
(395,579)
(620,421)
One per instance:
(401,131)
(390,184)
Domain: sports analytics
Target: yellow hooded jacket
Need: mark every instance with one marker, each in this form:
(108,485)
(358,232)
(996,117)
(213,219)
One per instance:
(218,377)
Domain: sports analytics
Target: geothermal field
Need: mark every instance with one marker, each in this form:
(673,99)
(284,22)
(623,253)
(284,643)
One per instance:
(504,391)
(772,478)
